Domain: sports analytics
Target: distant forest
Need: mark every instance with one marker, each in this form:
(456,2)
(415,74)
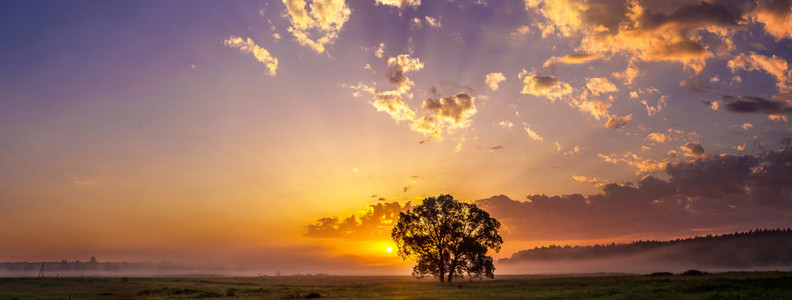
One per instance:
(760,247)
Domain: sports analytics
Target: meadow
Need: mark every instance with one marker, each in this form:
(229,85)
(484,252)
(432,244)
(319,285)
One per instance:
(738,285)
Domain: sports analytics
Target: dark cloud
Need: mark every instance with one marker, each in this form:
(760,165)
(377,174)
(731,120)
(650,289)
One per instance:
(376,223)
(751,104)
(615,121)
(693,15)
(694,149)
(718,191)
(498,147)
(455,109)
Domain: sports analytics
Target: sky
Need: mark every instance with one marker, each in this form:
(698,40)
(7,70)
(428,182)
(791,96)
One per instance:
(287,135)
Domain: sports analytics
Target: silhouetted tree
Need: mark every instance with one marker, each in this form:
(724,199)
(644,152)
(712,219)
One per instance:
(447,238)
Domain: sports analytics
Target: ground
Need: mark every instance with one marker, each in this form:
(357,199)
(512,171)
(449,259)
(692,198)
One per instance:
(744,285)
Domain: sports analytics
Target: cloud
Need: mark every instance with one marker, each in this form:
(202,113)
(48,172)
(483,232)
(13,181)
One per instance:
(600,85)
(456,110)
(402,4)
(776,15)
(433,22)
(658,137)
(695,150)
(642,165)
(629,74)
(646,31)
(652,110)
(376,223)
(397,69)
(597,108)
(319,24)
(547,86)
(261,54)
(532,134)
(506,124)
(393,104)
(714,105)
(441,114)
(493,79)
(775,66)
(750,104)
(521,32)
(416,24)
(746,126)
(584,179)
(575,58)
(777,118)
(725,191)
(572,152)
(615,121)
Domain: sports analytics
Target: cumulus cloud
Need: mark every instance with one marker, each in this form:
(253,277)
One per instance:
(600,85)
(249,46)
(643,30)
(375,223)
(402,4)
(658,137)
(750,104)
(776,15)
(597,108)
(695,150)
(445,113)
(393,104)
(397,68)
(547,86)
(317,24)
(615,121)
(775,66)
(727,190)
(455,110)
(493,79)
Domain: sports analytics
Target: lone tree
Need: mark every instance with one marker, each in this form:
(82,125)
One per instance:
(447,238)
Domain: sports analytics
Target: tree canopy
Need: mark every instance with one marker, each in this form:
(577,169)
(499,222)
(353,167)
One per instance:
(447,239)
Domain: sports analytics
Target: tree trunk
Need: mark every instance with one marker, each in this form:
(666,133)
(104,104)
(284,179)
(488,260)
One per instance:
(450,275)
(442,276)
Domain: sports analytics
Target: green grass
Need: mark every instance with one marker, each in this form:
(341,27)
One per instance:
(746,285)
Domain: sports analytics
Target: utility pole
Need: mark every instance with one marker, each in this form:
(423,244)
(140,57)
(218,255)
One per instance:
(41,272)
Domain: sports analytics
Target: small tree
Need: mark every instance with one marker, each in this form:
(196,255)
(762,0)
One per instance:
(447,238)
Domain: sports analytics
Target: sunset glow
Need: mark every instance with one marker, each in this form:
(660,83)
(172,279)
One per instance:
(287,136)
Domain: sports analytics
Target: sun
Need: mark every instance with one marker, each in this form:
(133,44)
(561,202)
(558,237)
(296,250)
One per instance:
(389,249)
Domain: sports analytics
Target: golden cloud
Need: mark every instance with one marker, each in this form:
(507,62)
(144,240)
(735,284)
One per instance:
(600,85)
(261,54)
(400,3)
(775,66)
(322,19)
(547,86)
(493,79)
(776,17)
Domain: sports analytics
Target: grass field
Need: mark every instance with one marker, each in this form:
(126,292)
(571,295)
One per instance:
(747,285)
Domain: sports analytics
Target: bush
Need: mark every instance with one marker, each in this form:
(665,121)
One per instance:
(661,274)
(693,273)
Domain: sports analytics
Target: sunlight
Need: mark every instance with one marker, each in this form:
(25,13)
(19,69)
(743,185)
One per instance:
(389,249)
